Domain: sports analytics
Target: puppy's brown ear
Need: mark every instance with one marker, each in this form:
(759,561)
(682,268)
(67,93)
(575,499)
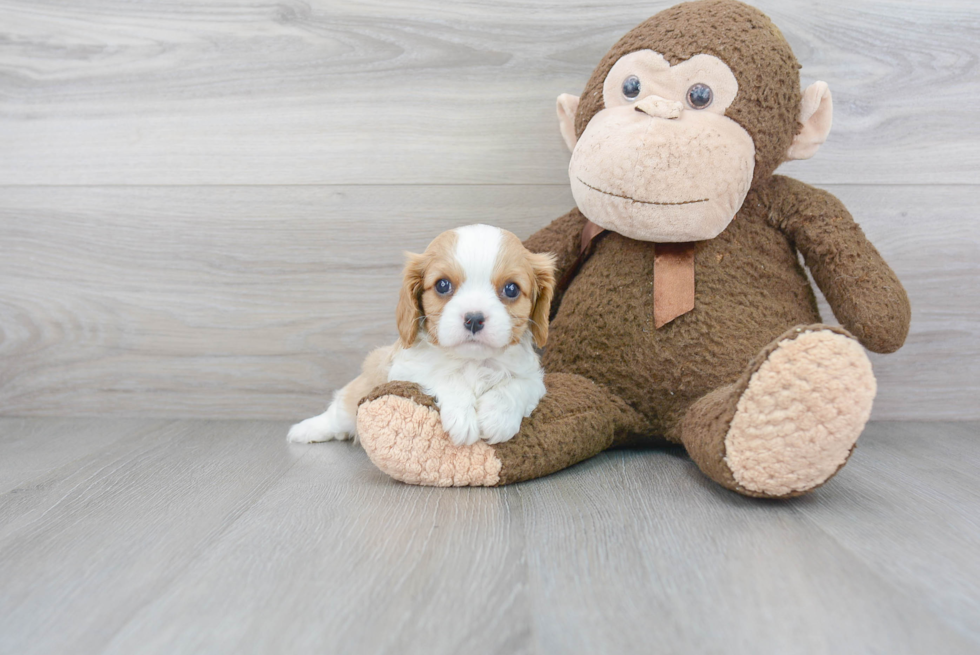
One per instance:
(408,314)
(543,266)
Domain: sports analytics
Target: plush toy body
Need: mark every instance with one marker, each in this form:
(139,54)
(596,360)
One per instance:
(686,316)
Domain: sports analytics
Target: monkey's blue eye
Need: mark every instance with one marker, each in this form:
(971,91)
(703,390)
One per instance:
(444,286)
(699,96)
(631,87)
(511,290)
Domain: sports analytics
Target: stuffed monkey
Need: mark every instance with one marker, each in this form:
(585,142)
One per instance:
(684,315)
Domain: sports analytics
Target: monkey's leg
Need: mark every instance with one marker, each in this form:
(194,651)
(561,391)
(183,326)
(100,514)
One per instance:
(401,431)
(791,421)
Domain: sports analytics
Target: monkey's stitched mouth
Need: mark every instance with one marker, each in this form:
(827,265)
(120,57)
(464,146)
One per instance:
(642,202)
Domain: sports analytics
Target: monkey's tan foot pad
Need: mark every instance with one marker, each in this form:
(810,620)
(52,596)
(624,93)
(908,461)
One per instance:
(801,413)
(401,431)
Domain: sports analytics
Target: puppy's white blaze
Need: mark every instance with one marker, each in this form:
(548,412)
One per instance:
(477,251)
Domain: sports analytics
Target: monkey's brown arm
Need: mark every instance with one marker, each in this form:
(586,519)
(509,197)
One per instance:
(562,238)
(862,289)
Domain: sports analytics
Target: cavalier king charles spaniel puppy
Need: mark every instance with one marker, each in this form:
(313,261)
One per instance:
(472,308)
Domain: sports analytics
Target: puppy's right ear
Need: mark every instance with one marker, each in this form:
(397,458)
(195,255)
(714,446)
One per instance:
(408,314)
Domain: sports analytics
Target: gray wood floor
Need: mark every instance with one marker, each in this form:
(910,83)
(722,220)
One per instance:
(181,536)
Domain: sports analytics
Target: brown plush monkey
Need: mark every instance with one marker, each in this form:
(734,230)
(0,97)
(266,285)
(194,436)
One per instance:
(686,316)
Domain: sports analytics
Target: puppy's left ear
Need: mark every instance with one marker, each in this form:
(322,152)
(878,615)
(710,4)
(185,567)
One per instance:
(408,313)
(543,266)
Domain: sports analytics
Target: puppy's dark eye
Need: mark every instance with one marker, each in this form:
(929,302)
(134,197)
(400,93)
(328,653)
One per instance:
(631,87)
(699,96)
(444,286)
(511,290)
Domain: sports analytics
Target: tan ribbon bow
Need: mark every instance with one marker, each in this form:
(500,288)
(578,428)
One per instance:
(673,276)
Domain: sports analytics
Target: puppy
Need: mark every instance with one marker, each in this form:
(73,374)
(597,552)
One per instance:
(471,309)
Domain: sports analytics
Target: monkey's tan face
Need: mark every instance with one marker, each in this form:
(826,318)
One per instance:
(661,162)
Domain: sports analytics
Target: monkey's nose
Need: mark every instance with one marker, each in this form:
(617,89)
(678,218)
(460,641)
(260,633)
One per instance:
(473,322)
(659,107)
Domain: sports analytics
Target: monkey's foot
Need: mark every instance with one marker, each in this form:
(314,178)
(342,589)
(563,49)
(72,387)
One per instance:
(400,429)
(792,420)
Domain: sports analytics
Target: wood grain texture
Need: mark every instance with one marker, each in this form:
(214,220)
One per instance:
(931,490)
(707,571)
(258,301)
(85,546)
(360,565)
(32,447)
(218,537)
(237,92)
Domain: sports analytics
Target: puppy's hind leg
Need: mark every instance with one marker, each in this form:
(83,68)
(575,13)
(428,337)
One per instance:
(340,420)
(335,423)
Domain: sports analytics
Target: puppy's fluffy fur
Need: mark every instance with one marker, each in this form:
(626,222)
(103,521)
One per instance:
(471,309)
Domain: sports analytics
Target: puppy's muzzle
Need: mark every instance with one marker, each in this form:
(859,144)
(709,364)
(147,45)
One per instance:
(474,322)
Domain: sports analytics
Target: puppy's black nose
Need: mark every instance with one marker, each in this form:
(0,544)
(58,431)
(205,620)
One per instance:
(473,322)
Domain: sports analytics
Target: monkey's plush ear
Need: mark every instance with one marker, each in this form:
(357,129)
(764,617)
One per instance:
(567,106)
(816,114)
(408,313)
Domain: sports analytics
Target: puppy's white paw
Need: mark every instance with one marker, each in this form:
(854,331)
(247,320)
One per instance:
(316,429)
(500,420)
(460,423)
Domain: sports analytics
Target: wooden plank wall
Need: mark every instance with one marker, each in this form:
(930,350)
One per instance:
(203,204)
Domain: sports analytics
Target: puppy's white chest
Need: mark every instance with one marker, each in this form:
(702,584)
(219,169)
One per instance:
(482,376)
